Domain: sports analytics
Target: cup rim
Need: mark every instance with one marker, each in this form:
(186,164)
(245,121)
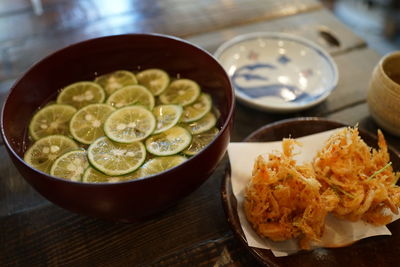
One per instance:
(381,63)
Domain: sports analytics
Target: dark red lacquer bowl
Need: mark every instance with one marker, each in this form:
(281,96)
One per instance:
(132,200)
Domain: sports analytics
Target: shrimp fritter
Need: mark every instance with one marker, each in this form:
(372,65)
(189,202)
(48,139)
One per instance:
(283,200)
(362,177)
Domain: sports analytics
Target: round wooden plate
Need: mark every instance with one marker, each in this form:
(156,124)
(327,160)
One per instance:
(372,251)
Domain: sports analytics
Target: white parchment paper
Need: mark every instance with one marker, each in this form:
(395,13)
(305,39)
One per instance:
(337,232)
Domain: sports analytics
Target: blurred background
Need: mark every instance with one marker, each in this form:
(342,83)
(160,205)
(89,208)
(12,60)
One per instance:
(376,21)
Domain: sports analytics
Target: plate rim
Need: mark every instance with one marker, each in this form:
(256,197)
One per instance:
(264,256)
(299,39)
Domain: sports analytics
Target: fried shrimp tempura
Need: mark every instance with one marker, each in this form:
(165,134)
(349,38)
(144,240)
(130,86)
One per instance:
(283,200)
(362,177)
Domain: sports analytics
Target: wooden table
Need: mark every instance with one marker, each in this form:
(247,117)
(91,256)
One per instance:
(194,232)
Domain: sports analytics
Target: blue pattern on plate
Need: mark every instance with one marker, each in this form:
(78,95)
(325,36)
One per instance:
(283,59)
(267,89)
(253,85)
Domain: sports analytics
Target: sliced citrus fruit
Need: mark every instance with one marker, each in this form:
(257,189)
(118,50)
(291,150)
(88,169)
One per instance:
(200,141)
(80,94)
(204,124)
(92,175)
(46,150)
(155,80)
(167,116)
(131,95)
(169,142)
(197,109)
(181,92)
(114,158)
(129,124)
(160,164)
(87,124)
(70,165)
(113,81)
(50,120)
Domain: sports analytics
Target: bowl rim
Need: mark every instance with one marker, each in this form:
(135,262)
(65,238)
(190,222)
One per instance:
(289,37)
(224,126)
(381,63)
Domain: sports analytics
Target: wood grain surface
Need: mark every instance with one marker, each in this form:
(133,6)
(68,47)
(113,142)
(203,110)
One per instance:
(34,232)
(309,25)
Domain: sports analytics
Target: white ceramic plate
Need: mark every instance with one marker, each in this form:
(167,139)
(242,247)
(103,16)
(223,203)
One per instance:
(278,72)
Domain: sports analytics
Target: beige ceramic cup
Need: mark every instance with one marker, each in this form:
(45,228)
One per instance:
(384,93)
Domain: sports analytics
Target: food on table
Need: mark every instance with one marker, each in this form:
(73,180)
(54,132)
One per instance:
(46,150)
(166,116)
(347,177)
(169,142)
(197,109)
(126,137)
(50,120)
(131,95)
(202,125)
(88,123)
(129,124)
(115,80)
(92,175)
(81,94)
(70,165)
(114,158)
(199,141)
(155,80)
(362,177)
(160,164)
(283,200)
(181,92)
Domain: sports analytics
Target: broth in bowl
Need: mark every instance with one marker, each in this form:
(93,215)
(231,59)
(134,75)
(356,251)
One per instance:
(145,126)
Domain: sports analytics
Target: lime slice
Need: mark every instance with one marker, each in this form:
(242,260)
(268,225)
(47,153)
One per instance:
(80,94)
(200,141)
(132,95)
(181,92)
(197,109)
(114,158)
(160,164)
(169,142)
(92,175)
(46,150)
(155,80)
(167,116)
(113,81)
(202,125)
(70,165)
(87,124)
(129,124)
(50,120)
